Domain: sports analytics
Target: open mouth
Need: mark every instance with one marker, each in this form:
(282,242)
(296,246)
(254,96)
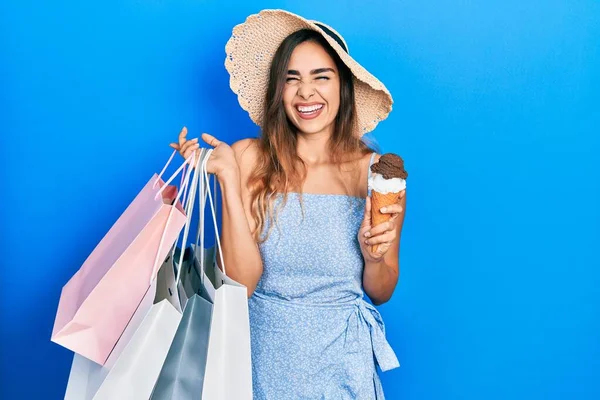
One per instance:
(309,112)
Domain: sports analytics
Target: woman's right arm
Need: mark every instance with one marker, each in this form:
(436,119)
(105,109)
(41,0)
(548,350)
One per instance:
(232,166)
(240,251)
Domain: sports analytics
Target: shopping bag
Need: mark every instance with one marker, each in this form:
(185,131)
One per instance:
(86,376)
(228,358)
(189,281)
(134,374)
(98,302)
(182,374)
(228,366)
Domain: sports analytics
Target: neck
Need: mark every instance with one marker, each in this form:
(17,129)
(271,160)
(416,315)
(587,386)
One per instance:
(314,148)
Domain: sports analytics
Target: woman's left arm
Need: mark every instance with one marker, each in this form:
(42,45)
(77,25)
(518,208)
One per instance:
(382,268)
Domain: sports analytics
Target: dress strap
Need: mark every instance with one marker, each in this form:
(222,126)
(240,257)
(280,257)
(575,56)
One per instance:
(371,162)
(369,173)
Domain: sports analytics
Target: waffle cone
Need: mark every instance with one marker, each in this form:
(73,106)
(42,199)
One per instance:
(379,200)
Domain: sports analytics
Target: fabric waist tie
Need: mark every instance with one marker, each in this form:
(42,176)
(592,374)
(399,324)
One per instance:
(384,354)
(366,314)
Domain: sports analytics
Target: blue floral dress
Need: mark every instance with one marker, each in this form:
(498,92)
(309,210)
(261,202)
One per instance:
(313,334)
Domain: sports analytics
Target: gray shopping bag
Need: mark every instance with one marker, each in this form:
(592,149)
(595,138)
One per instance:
(182,374)
(190,281)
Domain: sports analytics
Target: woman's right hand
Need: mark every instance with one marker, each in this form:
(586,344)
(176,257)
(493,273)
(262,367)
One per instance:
(185,147)
(222,161)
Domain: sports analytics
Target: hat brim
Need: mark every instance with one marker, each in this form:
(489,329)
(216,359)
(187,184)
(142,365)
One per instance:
(249,53)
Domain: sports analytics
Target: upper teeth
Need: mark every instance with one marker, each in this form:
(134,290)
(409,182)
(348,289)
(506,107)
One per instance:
(310,108)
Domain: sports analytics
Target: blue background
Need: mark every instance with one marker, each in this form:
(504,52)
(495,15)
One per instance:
(496,114)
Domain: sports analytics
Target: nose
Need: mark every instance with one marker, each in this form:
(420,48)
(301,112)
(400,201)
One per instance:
(306,90)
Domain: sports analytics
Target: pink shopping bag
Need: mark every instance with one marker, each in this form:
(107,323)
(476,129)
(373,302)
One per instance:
(97,303)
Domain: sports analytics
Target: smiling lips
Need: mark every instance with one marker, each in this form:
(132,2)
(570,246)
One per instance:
(309,111)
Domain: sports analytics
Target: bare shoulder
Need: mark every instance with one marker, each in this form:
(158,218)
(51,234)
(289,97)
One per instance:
(246,153)
(245,148)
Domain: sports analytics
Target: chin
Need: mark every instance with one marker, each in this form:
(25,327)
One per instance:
(311,128)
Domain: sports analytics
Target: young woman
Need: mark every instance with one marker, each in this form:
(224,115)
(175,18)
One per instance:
(296,227)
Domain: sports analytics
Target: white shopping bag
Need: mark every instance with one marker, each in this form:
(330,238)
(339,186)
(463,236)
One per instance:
(229,365)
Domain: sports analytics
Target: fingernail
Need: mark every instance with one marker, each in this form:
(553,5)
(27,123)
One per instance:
(366,242)
(383,209)
(367,234)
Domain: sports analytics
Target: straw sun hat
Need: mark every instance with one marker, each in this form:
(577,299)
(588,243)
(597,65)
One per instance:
(250,51)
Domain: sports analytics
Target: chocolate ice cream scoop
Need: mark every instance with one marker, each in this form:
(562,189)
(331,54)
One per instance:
(390,166)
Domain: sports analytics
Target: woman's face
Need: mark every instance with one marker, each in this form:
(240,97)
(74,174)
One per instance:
(311,95)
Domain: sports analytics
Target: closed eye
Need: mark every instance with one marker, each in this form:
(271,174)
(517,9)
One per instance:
(292,78)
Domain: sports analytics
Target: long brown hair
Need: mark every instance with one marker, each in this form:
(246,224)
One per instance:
(279,169)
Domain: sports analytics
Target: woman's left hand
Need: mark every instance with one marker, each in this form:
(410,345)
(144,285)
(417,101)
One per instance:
(384,235)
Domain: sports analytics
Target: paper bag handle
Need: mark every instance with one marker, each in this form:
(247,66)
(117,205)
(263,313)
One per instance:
(173,207)
(201,218)
(212,209)
(190,211)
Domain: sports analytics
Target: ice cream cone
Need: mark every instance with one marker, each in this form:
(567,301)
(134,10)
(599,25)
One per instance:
(386,181)
(379,200)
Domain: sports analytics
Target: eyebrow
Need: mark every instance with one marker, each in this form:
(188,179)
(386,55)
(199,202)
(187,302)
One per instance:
(313,72)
